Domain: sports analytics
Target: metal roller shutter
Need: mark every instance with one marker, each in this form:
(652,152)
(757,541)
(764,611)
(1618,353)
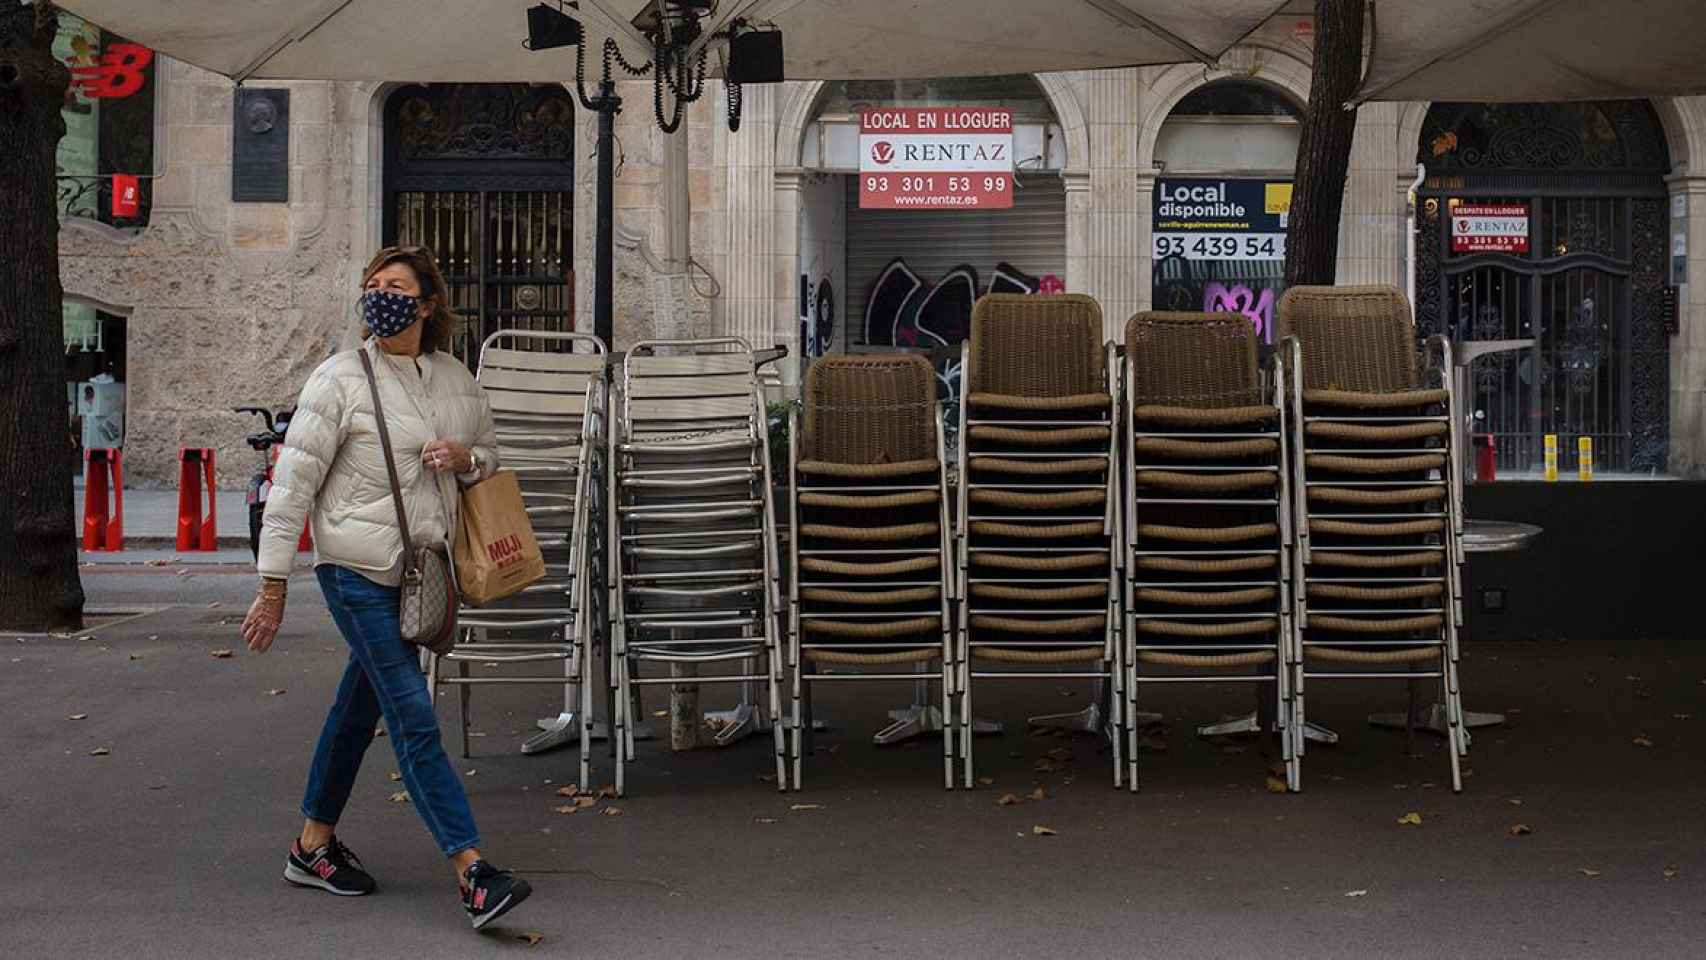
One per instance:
(1031,236)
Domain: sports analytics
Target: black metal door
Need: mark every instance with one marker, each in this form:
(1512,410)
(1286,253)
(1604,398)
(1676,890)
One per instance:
(483,174)
(1589,289)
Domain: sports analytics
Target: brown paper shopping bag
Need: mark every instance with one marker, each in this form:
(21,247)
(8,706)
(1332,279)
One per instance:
(496,553)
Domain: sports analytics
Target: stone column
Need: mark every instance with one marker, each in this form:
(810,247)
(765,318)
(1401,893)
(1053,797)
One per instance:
(1688,347)
(1371,223)
(1116,257)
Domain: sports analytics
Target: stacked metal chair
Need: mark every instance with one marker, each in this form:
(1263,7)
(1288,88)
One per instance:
(1208,525)
(695,536)
(1038,503)
(548,402)
(1377,494)
(870,558)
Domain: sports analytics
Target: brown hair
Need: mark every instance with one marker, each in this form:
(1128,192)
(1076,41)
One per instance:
(441,323)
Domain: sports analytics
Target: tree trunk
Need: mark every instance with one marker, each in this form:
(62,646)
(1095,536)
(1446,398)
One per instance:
(39,588)
(1324,152)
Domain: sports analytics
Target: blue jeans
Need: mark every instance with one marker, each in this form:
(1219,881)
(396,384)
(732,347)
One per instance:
(383,678)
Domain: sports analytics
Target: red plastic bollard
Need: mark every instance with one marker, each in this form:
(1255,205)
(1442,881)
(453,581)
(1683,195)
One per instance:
(305,542)
(103,530)
(196,532)
(1486,458)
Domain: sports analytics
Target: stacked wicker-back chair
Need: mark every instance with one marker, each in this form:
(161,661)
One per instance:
(872,572)
(695,536)
(1377,494)
(1208,526)
(1038,512)
(549,406)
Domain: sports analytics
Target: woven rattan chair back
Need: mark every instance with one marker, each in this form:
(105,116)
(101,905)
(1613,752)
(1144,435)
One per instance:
(1197,360)
(1034,345)
(1356,339)
(869,409)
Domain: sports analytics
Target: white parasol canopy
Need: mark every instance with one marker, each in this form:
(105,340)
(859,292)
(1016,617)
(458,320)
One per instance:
(480,40)
(1531,50)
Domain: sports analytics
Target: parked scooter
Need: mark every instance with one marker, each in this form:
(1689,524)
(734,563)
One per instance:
(265,444)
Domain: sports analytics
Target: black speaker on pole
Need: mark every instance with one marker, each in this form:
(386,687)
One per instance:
(755,57)
(549,27)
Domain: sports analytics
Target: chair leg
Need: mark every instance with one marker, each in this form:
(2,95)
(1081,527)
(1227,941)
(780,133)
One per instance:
(462,695)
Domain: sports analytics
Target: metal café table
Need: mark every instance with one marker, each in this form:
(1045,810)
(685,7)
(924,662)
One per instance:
(1479,536)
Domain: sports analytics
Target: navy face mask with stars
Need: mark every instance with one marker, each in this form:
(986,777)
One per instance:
(388,314)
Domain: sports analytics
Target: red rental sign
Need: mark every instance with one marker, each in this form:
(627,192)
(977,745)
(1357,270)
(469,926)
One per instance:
(935,158)
(1489,228)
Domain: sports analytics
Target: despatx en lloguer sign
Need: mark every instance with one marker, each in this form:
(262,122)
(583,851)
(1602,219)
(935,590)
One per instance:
(935,158)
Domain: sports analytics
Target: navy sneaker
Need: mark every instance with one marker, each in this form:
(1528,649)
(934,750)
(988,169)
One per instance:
(488,893)
(333,868)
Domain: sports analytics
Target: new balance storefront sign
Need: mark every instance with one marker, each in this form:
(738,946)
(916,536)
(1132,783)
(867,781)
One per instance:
(935,158)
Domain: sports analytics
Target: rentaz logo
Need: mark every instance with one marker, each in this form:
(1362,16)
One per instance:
(882,151)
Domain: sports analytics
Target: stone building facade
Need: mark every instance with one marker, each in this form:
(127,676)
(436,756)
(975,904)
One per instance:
(227,304)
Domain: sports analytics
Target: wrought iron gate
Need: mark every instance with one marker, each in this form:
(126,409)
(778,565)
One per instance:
(1589,290)
(483,175)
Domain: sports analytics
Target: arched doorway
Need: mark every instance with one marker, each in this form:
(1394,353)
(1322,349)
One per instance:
(1224,157)
(483,174)
(1549,221)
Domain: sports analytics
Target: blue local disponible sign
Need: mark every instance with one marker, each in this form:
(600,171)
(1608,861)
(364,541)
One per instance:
(1221,219)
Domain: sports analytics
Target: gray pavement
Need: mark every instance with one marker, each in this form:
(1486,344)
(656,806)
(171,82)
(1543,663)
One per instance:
(171,844)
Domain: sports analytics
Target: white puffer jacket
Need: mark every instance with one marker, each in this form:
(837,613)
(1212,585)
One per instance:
(332,461)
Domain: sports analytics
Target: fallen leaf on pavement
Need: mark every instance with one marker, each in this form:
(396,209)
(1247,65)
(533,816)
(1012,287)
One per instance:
(611,812)
(530,938)
(136,656)
(1041,831)
(568,791)
(78,716)
(806,806)
(767,778)
(985,781)
(567,808)
(1682,716)
(586,803)
(607,792)
(765,820)
(660,714)
(1356,893)
(214,605)
(1007,800)
(1061,754)
(1589,872)
(160,562)
(221,654)
(1515,801)
(1642,741)
(395,776)
(401,796)
(1411,819)
(1519,830)
(1671,873)
(471,773)
(1275,785)
(1037,794)
(1045,765)
(99,752)
(276,692)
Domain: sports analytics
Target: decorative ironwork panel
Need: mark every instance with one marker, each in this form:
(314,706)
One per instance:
(483,175)
(1649,342)
(1609,135)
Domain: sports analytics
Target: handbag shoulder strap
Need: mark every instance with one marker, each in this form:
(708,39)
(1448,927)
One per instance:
(390,462)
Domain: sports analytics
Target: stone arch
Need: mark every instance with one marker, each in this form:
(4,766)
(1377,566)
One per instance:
(1269,66)
(1682,130)
(802,101)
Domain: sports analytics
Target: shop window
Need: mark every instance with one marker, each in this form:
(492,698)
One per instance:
(106,158)
(94,375)
(1222,201)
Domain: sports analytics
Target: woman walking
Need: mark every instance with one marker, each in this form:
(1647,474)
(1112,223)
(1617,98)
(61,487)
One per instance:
(333,467)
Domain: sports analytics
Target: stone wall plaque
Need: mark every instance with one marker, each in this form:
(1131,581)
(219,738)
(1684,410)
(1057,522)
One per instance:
(260,146)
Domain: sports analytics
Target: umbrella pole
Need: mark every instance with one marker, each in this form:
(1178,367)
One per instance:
(608,105)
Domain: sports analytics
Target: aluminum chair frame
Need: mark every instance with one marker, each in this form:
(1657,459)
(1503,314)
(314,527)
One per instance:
(1450,550)
(1136,651)
(734,407)
(575,624)
(1111,669)
(945,584)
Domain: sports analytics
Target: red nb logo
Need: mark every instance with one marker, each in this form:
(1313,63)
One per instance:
(882,151)
(116,75)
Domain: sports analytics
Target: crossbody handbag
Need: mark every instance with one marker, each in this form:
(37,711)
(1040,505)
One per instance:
(427,595)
